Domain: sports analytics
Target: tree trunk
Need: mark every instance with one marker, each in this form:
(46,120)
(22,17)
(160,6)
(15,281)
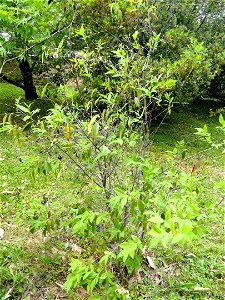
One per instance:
(27,74)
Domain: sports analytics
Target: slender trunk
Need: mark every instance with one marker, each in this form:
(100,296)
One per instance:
(27,74)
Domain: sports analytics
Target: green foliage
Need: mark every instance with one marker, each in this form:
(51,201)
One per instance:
(147,52)
(128,62)
(127,201)
(115,50)
(85,275)
(206,135)
(10,271)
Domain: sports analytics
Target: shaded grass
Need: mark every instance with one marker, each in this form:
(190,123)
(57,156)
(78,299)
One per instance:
(181,126)
(8,96)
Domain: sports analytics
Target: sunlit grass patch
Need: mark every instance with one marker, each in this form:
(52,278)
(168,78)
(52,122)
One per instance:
(8,94)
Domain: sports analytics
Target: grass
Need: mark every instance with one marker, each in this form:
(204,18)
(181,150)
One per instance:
(182,124)
(34,266)
(9,93)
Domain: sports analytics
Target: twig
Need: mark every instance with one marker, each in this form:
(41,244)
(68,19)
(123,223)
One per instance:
(78,165)
(8,294)
(219,203)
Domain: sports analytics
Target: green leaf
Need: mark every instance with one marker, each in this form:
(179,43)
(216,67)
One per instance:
(44,90)
(94,297)
(93,283)
(156,219)
(104,151)
(205,128)
(106,257)
(90,125)
(2,51)
(165,239)
(135,35)
(139,93)
(129,248)
(167,215)
(81,31)
(155,241)
(26,118)
(70,281)
(23,108)
(178,239)
(186,228)
(221,120)
(156,229)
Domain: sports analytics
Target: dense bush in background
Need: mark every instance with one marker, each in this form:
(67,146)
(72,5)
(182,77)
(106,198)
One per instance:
(147,52)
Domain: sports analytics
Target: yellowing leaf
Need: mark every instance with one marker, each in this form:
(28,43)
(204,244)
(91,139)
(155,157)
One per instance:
(156,219)
(67,131)
(60,44)
(90,125)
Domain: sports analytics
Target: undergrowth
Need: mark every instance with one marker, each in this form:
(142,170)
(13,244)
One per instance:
(61,217)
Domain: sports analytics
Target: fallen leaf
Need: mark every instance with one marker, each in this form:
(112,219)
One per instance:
(144,250)
(58,284)
(196,166)
(201,289)
(123,291)
(78,250)
(135,276)
(1,233)
(190,255)
(150,262)
(177,272)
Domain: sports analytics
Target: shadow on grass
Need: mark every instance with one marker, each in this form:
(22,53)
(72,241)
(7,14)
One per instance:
(10,93)
(182,124)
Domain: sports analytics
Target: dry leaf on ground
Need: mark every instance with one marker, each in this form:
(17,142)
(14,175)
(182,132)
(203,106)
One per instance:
(151,262)
(201,289)
(1,233)
(77,249)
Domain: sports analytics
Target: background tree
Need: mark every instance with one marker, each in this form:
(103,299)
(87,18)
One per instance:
(32,27)
(165,48)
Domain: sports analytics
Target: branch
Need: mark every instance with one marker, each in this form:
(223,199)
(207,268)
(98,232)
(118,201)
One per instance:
(78,165)
(202,22)
(11,81)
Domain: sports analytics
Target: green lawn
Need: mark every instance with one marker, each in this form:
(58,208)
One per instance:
(8,94)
